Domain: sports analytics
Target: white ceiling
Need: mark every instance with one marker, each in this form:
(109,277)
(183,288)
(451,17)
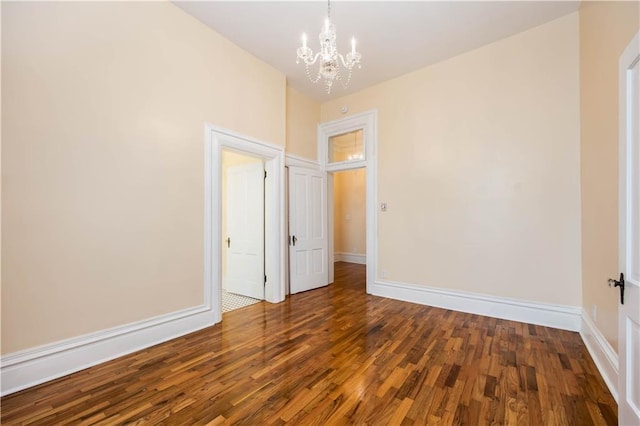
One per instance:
(394,37)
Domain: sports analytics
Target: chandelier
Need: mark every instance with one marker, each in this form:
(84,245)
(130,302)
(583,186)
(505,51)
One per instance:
(328,55)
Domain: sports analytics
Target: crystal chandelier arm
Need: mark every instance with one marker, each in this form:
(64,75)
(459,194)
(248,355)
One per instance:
(315,59)
(306,54)
(352,59)
(346,63)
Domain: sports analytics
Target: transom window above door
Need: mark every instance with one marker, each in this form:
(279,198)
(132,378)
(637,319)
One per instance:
(346,147)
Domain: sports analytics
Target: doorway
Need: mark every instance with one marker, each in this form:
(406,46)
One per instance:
(349,222)
(243,230)
(350,144)
(350,216)
(216,141)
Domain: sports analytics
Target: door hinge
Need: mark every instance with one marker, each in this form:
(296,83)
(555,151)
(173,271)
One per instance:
(265,174)
(265,279)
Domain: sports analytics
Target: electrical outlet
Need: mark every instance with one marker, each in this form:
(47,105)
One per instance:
(594,313)
(383,207)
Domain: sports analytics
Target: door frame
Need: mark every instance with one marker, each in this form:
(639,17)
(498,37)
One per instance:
(368,122)
(217,139)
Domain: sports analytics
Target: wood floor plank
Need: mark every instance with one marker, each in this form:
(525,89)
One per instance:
(335,356)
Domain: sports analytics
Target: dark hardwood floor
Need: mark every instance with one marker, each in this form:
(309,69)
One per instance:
(336,356)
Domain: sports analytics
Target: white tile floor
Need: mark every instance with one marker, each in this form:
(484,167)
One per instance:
(231,301)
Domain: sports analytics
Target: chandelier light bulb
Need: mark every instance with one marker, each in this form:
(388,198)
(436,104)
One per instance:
(330,59)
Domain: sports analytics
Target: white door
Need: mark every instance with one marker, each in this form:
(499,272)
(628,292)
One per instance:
(245,230)
(307,229)
(629,311)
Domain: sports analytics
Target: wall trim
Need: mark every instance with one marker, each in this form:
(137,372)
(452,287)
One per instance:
(297,161)
(358,258)
(550,315)
(602,353)
(33,366)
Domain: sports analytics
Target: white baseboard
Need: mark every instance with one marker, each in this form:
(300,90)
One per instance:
(605,358)
(30,367)
(350,257)
(557,316)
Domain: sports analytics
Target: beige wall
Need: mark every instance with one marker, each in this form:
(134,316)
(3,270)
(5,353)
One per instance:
(303,116)
(102,166)
(606,28)
(478,161)
(349,212)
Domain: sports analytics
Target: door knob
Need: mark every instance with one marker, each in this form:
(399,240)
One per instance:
(294,239)
(228,242)
(619,283)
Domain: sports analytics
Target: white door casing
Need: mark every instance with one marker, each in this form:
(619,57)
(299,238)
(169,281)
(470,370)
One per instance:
(245,230)
(629,222)
(307,229)
(218,139)
(367,121)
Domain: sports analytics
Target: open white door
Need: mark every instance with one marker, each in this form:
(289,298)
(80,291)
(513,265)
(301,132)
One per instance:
(629,281)
(245,230)
(307,229)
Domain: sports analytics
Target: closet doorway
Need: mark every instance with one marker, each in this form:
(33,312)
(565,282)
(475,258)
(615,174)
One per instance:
(217,141)
(243,230)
